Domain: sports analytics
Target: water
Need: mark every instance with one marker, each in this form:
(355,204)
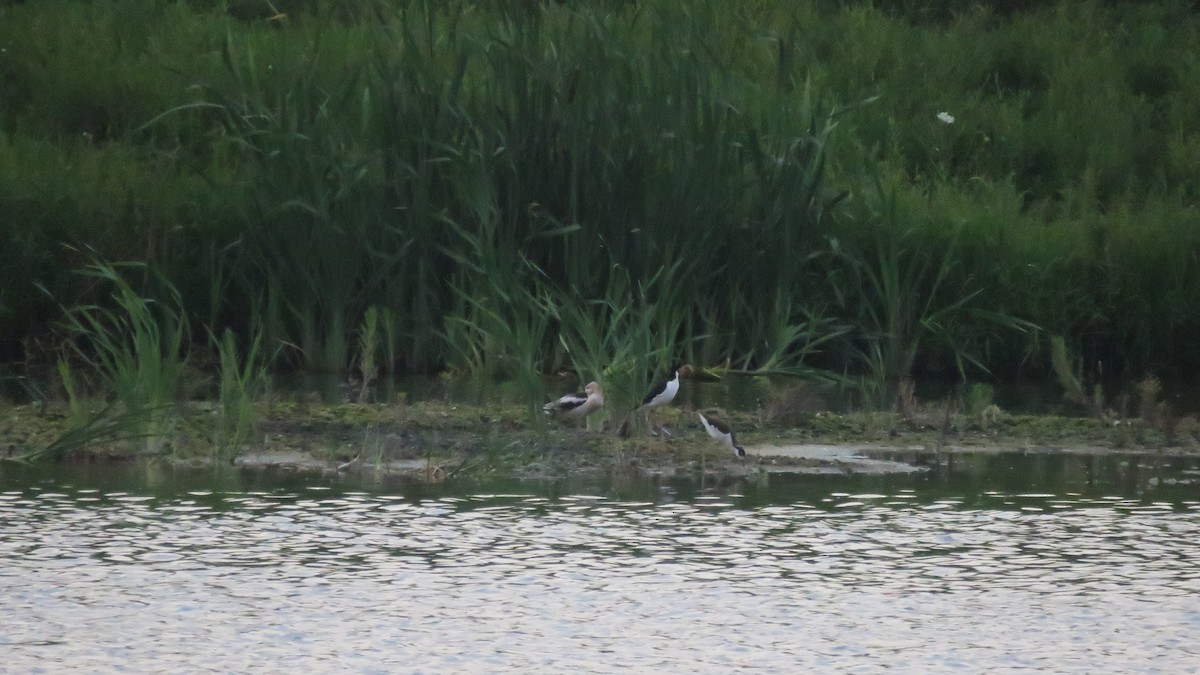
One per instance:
(991,564)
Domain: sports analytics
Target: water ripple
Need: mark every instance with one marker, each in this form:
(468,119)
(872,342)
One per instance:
(267,582)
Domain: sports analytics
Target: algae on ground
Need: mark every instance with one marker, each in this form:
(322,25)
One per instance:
(440,439)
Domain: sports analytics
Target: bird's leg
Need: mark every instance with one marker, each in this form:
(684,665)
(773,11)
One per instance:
(657,428)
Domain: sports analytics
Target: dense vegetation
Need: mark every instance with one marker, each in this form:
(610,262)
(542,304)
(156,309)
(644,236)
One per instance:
(880,188)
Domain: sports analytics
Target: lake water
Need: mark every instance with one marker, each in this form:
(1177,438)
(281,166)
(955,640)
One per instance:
(993,563)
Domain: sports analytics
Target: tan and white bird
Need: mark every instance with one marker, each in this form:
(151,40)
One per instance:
(721,431)
(579,404)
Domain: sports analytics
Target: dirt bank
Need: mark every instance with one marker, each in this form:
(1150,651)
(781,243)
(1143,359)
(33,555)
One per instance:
(441,440)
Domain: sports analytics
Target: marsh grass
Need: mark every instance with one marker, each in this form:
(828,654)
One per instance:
(907,290)
(106,426)
(788,337)
(327,158)
(977,398)
(389,330)
(317,235)
(500,323)
(368,349)
(75,403)
(1152,412)
(497,141)
(1069,369)
(627,337)
(499,344)
(138,349)
(243,380)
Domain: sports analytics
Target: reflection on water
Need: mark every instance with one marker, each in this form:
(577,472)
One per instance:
(953,569)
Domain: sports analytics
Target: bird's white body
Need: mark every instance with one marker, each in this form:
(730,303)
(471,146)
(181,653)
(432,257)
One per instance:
(721,431)
(581,404)
(664,393)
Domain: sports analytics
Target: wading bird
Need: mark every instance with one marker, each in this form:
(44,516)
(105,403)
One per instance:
(721,431)
(580,404)
(660,395)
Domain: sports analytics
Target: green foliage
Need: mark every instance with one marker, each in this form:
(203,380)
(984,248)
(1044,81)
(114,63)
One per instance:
(461,167)
(978,399)
(1150,409)
(242,379)
(108,425)
(905,289)
(499,327)
(626,337)
(138,348)
(368,350)
(785,337)
(1067,369)
(67,378)
(318,237)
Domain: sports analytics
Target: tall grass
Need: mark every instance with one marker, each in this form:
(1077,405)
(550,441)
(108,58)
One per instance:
(242,379)
(626,337)
(287,170)
(499,324)
(318,235)
(107,425)
(138,348)
(786,336)
(905,291)
(368,350)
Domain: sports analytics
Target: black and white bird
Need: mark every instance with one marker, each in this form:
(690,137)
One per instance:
(660,395)
(580,404)
(721,431)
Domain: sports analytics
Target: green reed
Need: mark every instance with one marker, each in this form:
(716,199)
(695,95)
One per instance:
(75,402)
(627,337)
(499,325)
(313,228)
(327,157)
(908,292)
(242,379)
(137,347)
(785,340)
(368,351)
(1069,371)
(108,425)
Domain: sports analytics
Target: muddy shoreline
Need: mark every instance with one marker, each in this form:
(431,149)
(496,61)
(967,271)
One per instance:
(438,441)
(442,441)
(815,458)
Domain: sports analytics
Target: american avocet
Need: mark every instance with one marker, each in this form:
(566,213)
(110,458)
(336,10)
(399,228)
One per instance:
(721,431)
(581,404)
